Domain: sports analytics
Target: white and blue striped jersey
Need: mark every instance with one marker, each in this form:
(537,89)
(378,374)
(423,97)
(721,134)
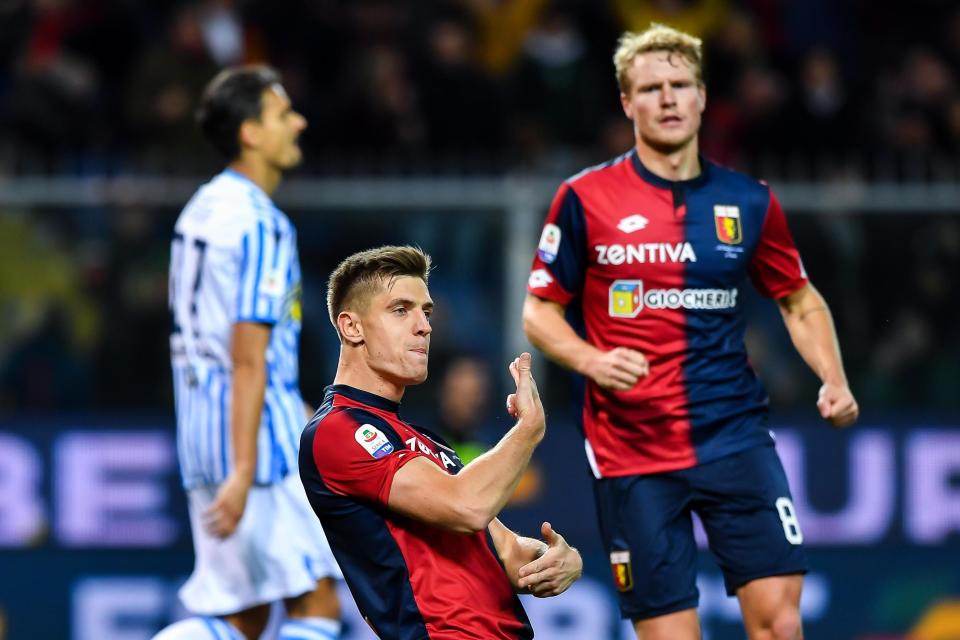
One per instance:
(233,259)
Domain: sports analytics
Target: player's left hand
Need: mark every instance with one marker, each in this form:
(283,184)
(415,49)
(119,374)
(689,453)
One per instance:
(223,516)
(553,572)
(837,405)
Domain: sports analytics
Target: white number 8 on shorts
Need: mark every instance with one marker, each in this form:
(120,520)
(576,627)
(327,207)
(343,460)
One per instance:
(788,517)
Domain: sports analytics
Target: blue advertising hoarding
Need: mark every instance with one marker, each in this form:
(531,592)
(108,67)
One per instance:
(94,539)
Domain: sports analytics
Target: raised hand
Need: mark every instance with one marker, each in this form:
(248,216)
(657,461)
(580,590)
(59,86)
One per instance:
(525,403)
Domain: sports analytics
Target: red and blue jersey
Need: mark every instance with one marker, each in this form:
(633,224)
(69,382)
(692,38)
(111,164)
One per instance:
(660,267)
(410,580)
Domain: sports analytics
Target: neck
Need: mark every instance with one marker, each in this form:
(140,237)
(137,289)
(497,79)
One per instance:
(360,376)
(678,164)
(264,175)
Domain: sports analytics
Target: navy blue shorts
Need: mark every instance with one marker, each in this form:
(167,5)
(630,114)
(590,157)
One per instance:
(747,511)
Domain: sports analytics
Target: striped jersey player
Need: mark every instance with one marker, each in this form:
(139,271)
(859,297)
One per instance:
(234,293)
(233,259)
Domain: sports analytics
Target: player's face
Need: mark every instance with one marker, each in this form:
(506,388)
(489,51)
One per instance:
(279,128)
(396,331)
(665,101)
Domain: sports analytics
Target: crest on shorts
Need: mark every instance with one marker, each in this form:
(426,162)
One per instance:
(727,220)
(373,440)
(622,574)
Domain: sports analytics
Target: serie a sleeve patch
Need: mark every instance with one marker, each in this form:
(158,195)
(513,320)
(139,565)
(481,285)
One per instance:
(373,441)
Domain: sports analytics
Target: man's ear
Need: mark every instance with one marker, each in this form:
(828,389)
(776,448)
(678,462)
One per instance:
(249,133)
(350,327)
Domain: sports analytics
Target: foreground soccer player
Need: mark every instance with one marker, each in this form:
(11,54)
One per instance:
(409,524)
(651,251)
(235,305)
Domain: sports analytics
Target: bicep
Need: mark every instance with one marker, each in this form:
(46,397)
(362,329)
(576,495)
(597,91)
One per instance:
(424,492)
(795,303)
(536,309)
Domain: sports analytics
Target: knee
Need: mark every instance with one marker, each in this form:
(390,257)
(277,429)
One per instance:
(784,625)
(322,602)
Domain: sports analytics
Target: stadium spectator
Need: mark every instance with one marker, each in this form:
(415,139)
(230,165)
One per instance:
(164,84)
(409,523)
(650,251)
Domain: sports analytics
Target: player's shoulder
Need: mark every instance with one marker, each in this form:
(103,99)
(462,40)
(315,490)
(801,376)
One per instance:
(227,207)
(349,419)
(724,177)
(586,178)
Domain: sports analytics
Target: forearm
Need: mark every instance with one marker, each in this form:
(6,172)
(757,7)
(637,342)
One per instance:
(249,386)
(811,328)
(487,483)
(548,330)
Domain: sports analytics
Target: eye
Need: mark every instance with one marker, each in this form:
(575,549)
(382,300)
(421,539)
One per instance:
(400,311)
(428,313)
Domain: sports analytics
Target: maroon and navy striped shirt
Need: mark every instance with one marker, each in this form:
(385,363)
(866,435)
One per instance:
(661,267)
(410,580)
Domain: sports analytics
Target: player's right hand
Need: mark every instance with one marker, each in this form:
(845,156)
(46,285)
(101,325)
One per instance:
(525,404)
(223,516)
(617,369)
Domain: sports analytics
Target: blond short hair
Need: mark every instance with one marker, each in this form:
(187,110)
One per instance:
(364,274)
(657,37)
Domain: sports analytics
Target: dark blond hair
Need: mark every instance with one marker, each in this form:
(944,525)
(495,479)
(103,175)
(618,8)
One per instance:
(365,273)
(657,37)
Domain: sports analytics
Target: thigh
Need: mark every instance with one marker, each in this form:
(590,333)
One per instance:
(269,556)
(647,532)
(747,511)
(302,528)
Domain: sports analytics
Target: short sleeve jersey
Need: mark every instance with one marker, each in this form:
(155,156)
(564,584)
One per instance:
(410,580)
(660,267)
(233,259)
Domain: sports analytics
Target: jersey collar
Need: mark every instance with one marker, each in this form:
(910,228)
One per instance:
(236,175)
(648,176)
(361,396)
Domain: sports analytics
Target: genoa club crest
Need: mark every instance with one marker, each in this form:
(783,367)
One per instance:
(622,575)
(727,220)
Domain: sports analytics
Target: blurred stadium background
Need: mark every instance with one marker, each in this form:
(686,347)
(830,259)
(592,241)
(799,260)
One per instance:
(449,125)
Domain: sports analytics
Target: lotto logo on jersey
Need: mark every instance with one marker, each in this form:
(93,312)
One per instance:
(539,279)
(626,298)
(549,243)
(727,219)
(373,440)
(622,574)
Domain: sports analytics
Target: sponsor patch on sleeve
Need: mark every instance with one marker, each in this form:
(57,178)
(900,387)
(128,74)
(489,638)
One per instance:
(549,243)
(373,440)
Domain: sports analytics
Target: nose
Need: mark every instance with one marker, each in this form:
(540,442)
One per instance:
(300,122)
(422,326)
(666,95)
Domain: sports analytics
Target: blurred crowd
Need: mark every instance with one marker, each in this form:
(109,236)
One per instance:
(407,86)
